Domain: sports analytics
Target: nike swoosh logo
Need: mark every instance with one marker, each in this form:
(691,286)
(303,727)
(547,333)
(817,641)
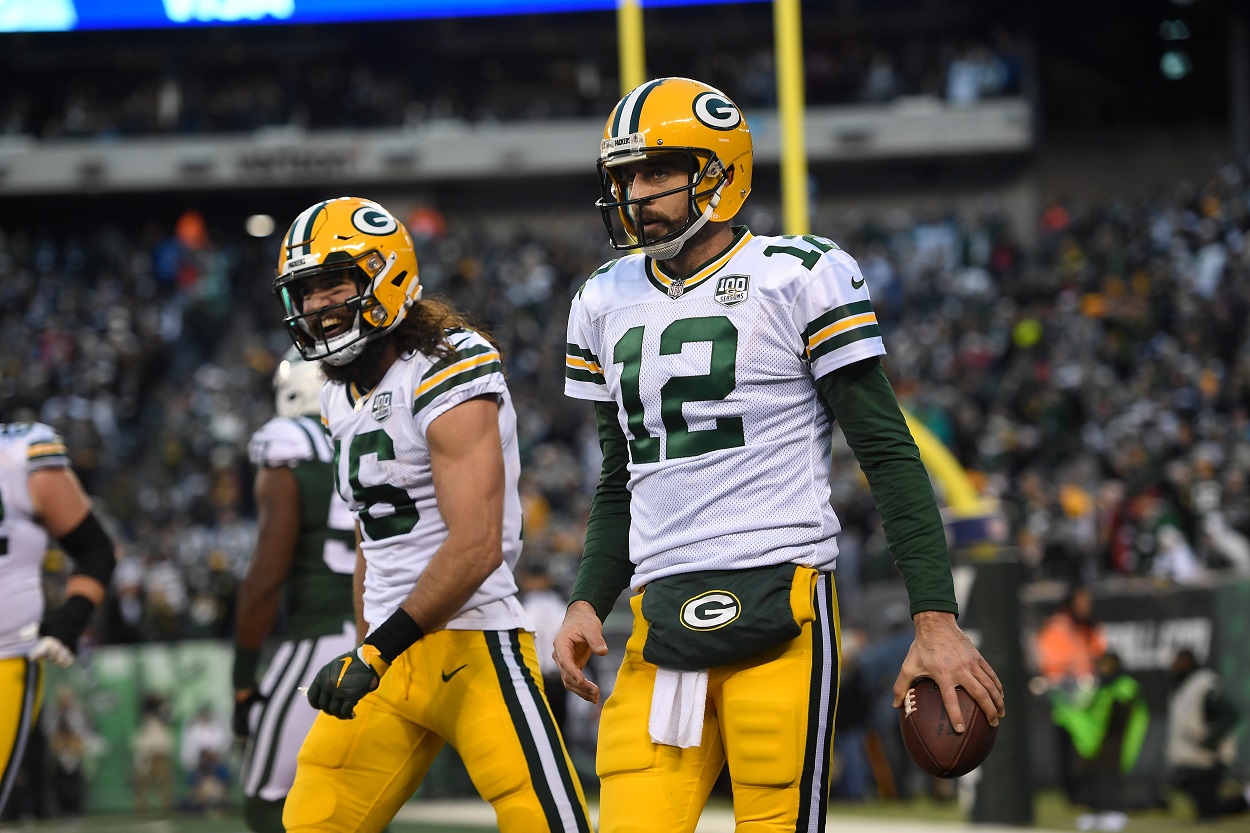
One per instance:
(347,661)
(447,677)
(856,284)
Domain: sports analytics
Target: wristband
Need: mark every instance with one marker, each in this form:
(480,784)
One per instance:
(395,635)
(246,661)
(68,621)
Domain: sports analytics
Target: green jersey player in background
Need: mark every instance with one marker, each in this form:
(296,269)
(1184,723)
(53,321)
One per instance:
(718,362)
(305,551)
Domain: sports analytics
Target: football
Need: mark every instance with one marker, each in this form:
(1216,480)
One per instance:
(930,736)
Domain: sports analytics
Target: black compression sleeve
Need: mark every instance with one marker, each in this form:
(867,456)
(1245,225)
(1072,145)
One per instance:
(92,550)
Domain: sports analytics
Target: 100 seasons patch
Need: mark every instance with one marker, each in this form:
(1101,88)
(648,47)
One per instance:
(731,290)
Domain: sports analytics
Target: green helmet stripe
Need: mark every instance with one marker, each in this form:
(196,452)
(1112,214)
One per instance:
(630,109)
(306,230)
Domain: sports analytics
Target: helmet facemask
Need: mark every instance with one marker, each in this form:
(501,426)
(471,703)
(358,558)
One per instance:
(706,175)
(339,332)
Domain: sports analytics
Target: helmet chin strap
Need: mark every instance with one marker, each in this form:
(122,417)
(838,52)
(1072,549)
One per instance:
(669,250)
(351,351)
(348,354)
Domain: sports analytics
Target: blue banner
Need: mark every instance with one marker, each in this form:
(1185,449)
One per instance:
(70,15)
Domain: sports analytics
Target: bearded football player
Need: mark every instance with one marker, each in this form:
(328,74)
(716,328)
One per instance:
(717,362)
(425,449)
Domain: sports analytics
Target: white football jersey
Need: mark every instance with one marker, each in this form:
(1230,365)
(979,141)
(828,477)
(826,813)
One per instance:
(24,447)
(714,382)
(289,441)
(382,470)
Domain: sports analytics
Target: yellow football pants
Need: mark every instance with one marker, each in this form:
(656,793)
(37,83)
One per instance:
(481,692)
(770,717)
(21,692)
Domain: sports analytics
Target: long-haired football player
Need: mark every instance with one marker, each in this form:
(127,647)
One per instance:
(717,361)
(425,451)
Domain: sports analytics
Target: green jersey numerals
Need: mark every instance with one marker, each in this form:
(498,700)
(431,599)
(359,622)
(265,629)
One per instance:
(810,257)
(405,514)
(4,542)
(713,386)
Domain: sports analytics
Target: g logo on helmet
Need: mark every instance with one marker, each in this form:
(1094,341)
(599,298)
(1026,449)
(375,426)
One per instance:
(711,610)
(716,111)
(372,220)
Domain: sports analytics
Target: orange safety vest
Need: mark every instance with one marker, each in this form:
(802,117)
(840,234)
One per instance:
(1066,650)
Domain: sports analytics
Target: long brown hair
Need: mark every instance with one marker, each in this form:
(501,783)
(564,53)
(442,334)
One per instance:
(424,329)
(427,324)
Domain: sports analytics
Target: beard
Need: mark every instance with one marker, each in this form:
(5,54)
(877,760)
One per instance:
(365,371)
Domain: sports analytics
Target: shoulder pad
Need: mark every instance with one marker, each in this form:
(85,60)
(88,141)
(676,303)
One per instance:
(282,441)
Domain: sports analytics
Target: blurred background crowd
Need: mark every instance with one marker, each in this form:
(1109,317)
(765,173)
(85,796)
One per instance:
(478,71)
(1069,315)
(1097,383)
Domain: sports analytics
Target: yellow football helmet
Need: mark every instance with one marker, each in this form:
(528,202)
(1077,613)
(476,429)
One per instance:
(362,239)
(678,116)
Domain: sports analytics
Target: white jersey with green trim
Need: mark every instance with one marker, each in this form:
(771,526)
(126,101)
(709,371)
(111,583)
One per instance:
(25,447)
(714,383)
(382,470)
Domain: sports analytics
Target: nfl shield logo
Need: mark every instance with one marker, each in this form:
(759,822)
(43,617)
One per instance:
(382,406)
(676,288)
(731,290)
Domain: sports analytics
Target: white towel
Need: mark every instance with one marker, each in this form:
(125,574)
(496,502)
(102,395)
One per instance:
(677,705)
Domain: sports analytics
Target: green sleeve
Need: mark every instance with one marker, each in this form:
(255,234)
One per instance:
(863,403)
(605,569)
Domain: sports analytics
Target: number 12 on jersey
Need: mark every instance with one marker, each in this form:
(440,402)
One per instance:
(713,386)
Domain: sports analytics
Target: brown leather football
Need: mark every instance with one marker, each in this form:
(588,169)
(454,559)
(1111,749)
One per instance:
(930,735)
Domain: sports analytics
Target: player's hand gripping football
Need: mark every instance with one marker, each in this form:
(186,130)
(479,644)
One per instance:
(944,653)
(339,685)
(579,637)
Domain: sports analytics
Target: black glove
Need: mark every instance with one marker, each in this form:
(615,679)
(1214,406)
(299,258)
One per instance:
(243,702)
(339,685)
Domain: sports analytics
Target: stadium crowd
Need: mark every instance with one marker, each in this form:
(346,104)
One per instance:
(163,91)
(1099,385)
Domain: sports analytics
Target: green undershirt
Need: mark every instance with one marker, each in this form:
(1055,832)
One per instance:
(860,398)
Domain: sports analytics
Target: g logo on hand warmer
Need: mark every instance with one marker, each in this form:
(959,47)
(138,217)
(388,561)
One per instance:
(710,610)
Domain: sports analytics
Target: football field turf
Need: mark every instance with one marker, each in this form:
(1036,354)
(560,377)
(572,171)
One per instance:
(1053,815)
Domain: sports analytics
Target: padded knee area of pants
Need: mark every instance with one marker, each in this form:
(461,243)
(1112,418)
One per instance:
(522,813)
(624,740)
(495,775)
(311,801)
(763,740)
